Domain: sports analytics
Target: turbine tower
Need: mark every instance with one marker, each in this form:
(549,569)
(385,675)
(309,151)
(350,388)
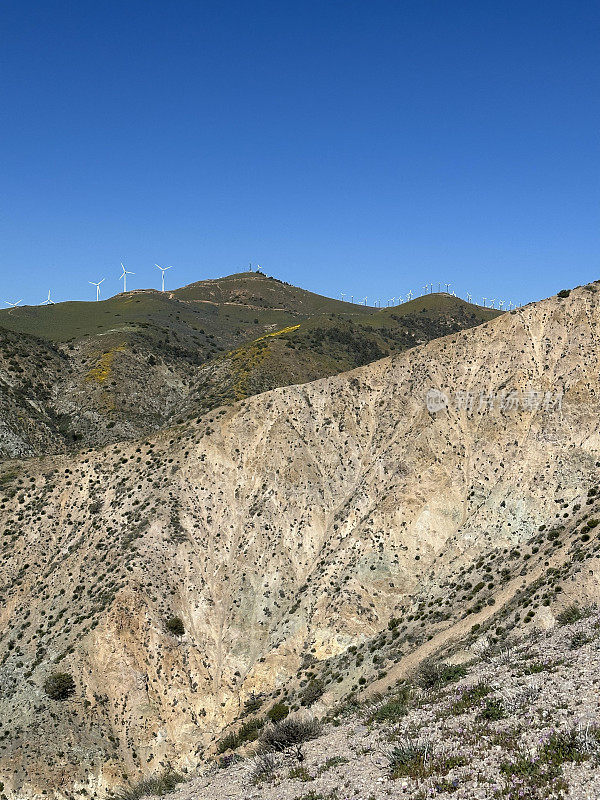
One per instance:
(48,302)
(163,270)
(447,285)
(97,285)
(124,275)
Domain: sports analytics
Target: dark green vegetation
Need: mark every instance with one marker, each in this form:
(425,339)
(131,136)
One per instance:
(59,686)
(84,374)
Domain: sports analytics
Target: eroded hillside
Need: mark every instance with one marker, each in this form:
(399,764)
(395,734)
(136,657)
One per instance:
(303,544)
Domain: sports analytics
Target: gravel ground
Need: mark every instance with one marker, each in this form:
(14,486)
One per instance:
(536,707)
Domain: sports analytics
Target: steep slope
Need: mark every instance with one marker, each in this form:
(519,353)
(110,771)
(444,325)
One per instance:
(131,364)
(29,368)
(299,540)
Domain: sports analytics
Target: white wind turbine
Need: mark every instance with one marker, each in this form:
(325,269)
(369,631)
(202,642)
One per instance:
(426,287)
(391,300)
(492,303)
(163,270)
(447,285)
(469,298)
(510,304)
(342,295)
(501,305)
(48,302)
(13,305)
(124,275)
(97,285)
(484,299)
(409,295)
(365,301)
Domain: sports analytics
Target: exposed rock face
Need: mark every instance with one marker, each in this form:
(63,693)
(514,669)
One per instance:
(282,531)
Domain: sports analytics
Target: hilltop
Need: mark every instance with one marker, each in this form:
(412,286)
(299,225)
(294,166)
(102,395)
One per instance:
(307,546)
(129,365)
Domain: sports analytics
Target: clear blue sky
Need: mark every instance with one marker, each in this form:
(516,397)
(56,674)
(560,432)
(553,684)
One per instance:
(368,146)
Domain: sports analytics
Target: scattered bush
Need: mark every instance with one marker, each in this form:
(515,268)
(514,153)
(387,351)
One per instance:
(59,686)
(564,293)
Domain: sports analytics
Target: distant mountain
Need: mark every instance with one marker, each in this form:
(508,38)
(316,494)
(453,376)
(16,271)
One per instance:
(133,363)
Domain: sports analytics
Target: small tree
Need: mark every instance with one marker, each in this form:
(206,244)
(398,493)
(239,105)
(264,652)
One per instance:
(59,686)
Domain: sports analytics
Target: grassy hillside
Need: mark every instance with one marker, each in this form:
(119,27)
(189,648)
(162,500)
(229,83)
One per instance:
(137,361)
(327,344)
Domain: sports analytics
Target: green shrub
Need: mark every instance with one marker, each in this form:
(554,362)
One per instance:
(570,614)
(470,698)
(564,293)
(492,710)
(278,712)
(312,692)
(59,686)
(152,786)
(175,626)
(435,674)
(394,709)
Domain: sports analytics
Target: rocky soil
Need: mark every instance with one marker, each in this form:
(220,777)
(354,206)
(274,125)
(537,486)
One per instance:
(523,722)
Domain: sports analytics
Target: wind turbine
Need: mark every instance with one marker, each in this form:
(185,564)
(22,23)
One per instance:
(426,287)
(97,285)
(447,285)
(126,272)
(484,299)
(409,295)
(14,305)
(342,295)
(510,303)
(48,302)
(365,301)
(163,270)
(352,299)
(469,298)
(500,304)
(492,302)
(391,300)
